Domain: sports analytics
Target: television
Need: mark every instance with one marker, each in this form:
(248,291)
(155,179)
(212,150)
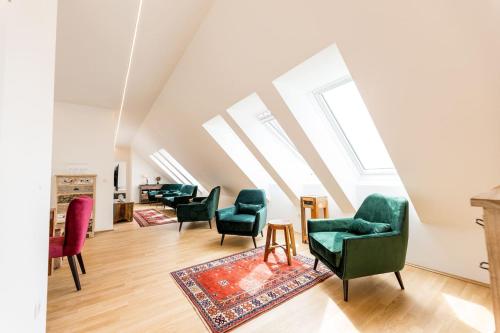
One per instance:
(115,179)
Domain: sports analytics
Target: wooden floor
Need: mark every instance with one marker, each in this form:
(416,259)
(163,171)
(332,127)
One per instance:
(128,288)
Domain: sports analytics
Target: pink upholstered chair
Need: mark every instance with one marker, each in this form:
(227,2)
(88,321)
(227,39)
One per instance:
(75,231)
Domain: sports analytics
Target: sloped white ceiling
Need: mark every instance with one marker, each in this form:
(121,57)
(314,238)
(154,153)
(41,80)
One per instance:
(94,40)
(428,72)
(93,46)
(165,30)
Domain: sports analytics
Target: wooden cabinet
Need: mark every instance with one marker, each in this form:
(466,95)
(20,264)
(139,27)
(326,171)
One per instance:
(123,211)
(68,187)
(145,188)
(490,202)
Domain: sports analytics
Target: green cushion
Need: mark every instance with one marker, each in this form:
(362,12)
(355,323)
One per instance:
(172,193)
(187,189)
(329,245)
(362,227)
(243,208)
(168,200)
(237,223)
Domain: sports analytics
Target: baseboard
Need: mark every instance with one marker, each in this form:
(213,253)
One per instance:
(482,284)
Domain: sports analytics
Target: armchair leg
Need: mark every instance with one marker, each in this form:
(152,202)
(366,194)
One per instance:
(315,263)
(180,226)
(80,261)
(398,276)
(222,239)
(346,290)
(74,272)
(262,233)
(254,243)
(210,223)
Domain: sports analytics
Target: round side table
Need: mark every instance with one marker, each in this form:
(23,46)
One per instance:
(271,244)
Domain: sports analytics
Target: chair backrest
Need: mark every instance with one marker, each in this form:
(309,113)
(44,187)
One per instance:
(252,196)
(189,190)
(382,209)
(171,187)
(76,225)
(213,201)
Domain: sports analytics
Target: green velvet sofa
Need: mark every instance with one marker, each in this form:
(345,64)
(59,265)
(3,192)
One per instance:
(247,217)
(373,242)
(181,196)
(165,189)
(200,209)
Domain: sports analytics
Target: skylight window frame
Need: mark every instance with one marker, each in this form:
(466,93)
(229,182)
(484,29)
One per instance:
(162,158)
(271,123)
(182,171)
(339,132)
(165,168)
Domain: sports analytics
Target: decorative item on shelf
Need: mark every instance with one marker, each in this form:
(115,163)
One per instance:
(158,180)
(147,179)
(315,203)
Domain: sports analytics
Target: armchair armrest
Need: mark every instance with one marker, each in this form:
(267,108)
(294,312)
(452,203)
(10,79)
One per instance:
(373,254)
(191,211)
(221,213)
(198,199)
(322,225)
(260,221)
(182,199)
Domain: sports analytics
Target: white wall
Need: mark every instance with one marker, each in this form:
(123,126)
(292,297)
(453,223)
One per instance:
(27,54)
(83,139)
(429,82)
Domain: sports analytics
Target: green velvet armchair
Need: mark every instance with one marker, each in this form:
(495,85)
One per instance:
(373,242)
(181,196)
(201,209)
(247,217)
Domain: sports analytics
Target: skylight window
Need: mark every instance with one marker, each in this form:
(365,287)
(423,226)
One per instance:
(165,169)
(176,171)
(229,141)
(267,135)
(348,116)
(268,120)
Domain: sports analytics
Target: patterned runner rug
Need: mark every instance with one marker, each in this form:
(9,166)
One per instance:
(150,217)
(230,291)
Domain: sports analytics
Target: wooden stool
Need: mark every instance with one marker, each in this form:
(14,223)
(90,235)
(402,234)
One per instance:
(286,226)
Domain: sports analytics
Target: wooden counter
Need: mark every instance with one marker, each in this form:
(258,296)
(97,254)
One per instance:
(490,202)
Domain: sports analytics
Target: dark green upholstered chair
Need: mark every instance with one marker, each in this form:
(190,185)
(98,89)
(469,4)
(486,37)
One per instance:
(164,190)
(182,196)
(201,209)
(247,217)
(373,242)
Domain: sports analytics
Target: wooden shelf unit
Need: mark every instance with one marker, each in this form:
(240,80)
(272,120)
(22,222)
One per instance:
(68,187)
(144,189)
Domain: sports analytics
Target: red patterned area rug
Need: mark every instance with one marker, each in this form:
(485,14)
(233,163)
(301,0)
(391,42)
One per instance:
(150,217)
(228,292)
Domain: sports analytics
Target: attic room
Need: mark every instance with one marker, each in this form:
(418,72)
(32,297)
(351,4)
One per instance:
(241,166)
